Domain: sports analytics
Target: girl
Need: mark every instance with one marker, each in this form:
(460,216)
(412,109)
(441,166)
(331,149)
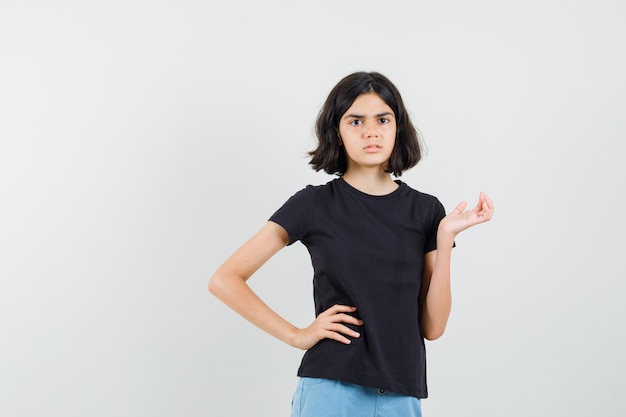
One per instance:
(381,258)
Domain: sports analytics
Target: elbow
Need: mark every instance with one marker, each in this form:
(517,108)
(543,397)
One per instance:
(433,335)
(221,285)
(433,332)
(215,286)
(433,326)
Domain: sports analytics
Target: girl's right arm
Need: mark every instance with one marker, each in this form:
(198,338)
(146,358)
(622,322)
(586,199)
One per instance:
(230,286)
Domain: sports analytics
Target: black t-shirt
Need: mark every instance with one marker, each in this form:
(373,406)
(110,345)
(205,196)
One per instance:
(367,251)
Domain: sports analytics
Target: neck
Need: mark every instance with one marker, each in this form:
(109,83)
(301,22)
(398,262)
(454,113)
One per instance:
(371,182)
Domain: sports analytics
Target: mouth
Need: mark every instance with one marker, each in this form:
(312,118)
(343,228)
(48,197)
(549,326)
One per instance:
(372,147)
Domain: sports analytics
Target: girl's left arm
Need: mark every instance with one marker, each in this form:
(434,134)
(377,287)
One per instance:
(435,295)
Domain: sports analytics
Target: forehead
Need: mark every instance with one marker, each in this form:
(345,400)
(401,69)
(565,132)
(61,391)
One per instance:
(369,103)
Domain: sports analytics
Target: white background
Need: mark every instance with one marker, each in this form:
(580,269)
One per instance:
(142,142)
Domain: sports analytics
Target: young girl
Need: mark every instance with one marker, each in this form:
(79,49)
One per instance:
(381,258)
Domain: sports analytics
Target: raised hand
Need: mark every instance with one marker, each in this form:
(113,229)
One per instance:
(460,219)
(328,325)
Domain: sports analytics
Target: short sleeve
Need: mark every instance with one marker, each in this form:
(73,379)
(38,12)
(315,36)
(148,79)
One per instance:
(295,215)
(437,213)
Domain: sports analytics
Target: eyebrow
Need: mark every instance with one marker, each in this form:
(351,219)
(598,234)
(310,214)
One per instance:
(360,116)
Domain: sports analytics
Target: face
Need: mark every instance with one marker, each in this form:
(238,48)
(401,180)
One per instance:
(368,132)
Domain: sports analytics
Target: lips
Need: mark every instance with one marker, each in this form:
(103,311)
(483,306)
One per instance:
(372,147)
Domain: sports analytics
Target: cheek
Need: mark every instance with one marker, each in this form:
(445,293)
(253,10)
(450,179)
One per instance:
(344,135)
(349,146)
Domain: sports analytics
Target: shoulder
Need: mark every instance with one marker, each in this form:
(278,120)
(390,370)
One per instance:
(305,198)
(309,192)
(296,214)
(312,191)
(424,205)
(419,195)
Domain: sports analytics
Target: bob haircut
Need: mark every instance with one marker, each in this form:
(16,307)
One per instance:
(330,155)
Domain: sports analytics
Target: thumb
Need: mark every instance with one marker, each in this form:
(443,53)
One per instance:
(461,207)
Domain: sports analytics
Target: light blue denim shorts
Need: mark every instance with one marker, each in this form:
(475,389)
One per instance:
(318,397)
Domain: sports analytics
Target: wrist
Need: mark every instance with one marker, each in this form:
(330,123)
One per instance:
(291,338)
(445,237)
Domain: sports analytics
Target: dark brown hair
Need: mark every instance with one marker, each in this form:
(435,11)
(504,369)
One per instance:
(330,155)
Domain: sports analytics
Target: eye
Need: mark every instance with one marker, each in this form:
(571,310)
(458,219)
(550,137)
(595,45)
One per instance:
(384,120)
(356,122)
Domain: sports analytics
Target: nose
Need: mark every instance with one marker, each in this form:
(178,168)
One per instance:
(371,130)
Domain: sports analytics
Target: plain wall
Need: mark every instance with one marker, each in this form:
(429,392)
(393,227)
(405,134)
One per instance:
(142,142)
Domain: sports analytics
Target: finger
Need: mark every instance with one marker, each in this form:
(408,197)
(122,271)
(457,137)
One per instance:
(337,337)
(341,334)
(338,308)
(482,206)
(489,202)
(345,318)
(483,198)
(487,206)
(461,207)
(342,329)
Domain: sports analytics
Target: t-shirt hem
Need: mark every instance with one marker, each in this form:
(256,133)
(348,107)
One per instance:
(367,382)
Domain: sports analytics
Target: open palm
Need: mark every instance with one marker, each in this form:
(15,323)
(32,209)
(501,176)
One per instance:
(460,218)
